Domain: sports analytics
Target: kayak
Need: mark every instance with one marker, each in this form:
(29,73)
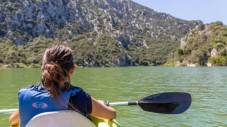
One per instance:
(105,123)
(68,118)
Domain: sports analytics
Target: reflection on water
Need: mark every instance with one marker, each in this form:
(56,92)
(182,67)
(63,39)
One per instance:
(208,87)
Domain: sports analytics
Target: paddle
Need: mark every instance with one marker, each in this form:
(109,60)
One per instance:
(167,103)
(7,111)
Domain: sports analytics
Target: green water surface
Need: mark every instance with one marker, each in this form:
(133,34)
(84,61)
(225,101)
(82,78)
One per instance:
(208,87)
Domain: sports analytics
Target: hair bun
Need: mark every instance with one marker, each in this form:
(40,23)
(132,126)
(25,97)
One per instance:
(52,77)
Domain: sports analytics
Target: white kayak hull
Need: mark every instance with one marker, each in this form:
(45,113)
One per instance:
(60,119)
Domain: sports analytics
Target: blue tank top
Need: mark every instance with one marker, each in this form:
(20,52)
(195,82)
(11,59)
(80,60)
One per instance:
(35,99)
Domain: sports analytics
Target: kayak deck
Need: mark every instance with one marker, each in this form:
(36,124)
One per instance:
(105,123)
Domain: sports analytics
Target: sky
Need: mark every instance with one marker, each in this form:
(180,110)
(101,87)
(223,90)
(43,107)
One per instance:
(205,10)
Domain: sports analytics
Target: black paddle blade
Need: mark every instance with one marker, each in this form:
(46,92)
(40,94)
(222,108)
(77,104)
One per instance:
(167,103)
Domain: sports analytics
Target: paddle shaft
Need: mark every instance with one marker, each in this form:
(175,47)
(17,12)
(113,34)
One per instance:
(7,111)
(122,103)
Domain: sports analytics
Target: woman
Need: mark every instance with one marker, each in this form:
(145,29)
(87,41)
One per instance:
(55,91)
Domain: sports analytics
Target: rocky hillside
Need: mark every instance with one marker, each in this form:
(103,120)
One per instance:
(139,34)
(204,46)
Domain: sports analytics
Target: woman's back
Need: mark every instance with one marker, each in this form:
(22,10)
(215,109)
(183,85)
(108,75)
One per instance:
(34,100)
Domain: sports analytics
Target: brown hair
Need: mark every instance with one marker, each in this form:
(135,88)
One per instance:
(57,61)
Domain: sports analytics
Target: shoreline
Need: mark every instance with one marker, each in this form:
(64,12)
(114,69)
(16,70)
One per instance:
(22,65)
(18,65)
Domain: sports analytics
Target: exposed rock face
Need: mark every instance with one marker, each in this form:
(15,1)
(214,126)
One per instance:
(213,52)
(23,20)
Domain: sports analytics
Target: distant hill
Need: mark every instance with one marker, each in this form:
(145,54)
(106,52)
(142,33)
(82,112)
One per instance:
(205,45)
(101,32)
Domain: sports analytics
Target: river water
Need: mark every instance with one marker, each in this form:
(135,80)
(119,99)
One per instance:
(208,87)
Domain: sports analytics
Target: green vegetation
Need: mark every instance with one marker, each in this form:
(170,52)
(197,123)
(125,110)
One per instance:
(205,44)
(104,50)
(218,60)
(21,56)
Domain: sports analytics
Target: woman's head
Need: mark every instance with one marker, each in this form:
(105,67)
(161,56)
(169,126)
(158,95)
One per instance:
(56,65)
